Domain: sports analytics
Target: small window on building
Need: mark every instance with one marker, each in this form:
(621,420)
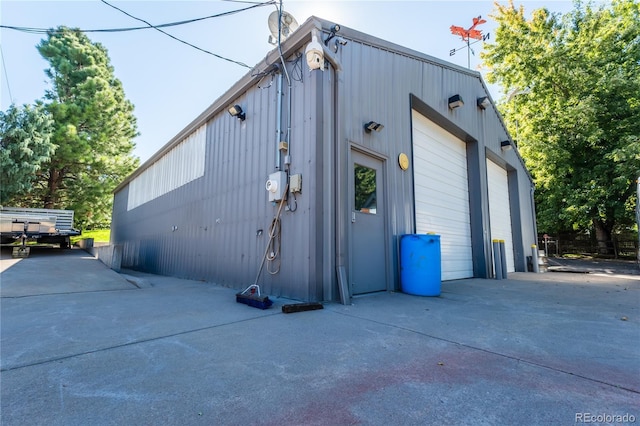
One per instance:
(365,189)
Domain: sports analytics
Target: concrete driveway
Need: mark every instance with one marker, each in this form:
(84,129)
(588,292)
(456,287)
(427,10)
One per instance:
(81,344)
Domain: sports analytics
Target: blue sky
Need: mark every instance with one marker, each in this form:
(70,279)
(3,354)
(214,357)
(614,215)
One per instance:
(170,83)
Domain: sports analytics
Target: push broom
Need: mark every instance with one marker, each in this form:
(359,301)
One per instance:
(251,295)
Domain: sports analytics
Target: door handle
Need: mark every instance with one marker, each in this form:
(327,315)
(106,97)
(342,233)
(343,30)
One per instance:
(353,217)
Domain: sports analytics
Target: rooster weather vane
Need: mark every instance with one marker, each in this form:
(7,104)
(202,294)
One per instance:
(467,35)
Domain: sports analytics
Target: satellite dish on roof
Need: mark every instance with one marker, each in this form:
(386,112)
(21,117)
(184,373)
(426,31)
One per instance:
(288,24)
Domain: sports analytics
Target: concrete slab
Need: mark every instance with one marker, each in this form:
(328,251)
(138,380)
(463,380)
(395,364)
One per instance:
(533,349)
(50,270)
(594,266)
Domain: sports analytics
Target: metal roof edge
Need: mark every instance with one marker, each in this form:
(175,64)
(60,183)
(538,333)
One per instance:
(290,45)
(504,126)
(369,39)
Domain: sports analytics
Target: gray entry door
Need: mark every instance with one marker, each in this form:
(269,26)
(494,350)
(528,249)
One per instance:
(368,249)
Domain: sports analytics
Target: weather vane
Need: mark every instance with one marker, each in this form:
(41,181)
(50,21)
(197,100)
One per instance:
(467,35)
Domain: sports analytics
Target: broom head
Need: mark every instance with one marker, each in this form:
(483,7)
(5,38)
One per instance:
(260,302)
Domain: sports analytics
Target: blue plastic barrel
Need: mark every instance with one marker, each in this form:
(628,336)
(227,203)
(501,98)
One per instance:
(420,269)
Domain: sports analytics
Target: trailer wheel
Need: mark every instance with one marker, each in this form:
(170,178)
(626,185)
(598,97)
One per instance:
(65,243)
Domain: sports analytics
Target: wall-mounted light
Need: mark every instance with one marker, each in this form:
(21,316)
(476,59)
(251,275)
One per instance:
(337,42)
(334,29)
(483,102)
(455,101)
(372,125)
(236,111)
(505,145)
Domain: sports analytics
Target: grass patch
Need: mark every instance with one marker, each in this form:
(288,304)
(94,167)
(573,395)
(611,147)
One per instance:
(98,235)
(575,256)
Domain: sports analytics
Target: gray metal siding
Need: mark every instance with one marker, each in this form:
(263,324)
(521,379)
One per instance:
(208,228)
(377,84)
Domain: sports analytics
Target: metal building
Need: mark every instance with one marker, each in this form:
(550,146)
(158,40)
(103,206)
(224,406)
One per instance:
(380,141)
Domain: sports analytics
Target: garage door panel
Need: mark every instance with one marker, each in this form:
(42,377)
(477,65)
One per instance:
(451,199)
(500,210)
(441,192)
(443,195)
(454,222)
(432,224)
(446,154)
(445,182)
(458,270)
(458,255)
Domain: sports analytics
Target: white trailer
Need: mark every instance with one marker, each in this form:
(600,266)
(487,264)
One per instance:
(46,226)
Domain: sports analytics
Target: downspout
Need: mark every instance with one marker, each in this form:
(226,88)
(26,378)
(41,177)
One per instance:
(533,212)
(343,288)
(340,218)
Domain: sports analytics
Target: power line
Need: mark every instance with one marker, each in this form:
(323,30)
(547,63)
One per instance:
(35,30)
(242,64)
(6,76)
(249,2)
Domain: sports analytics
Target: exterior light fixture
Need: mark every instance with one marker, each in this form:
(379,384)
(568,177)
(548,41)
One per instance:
(334,29)
(455,101)
(483,102)
(372,125)
(236,111)
(337,42)
(505,145)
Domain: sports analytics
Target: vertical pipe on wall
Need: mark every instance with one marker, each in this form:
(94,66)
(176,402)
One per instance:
(340,185)
(637,216)
(289,116)
(279,95)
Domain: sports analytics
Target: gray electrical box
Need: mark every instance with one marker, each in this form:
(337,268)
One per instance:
(295,183)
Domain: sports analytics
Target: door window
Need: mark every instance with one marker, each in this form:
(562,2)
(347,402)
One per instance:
(365,189)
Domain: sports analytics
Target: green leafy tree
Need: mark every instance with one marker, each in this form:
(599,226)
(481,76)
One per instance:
(94,127)
(25,144)
(573,104)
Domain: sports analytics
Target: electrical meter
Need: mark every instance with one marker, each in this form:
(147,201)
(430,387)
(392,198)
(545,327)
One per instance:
(275,186)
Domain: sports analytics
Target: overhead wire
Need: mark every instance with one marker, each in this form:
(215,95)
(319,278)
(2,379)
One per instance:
(296,71)
(247,2)
(260,86)
(269,71)
(6,76)
(242,64)
(35,30)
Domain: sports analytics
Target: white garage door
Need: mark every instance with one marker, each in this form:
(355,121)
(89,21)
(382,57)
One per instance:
(499,209)
(442,194)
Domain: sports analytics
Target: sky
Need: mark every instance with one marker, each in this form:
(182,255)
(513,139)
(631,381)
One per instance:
(170,83)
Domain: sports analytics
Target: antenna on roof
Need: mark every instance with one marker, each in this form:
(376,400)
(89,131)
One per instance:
(280,31)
